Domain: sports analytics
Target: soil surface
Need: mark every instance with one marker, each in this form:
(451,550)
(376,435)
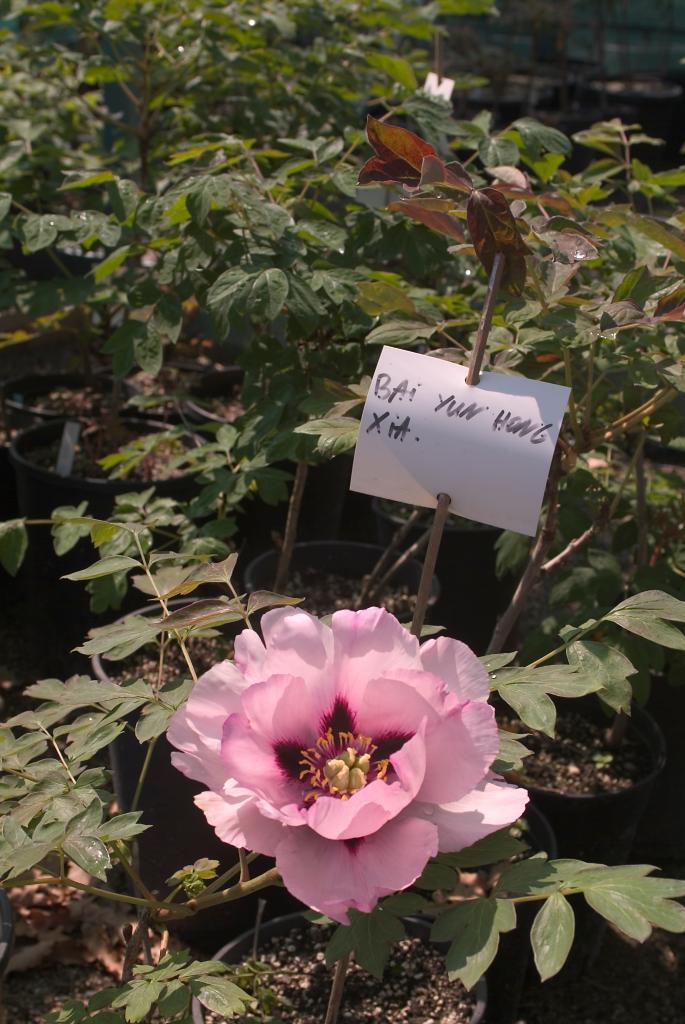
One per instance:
(328,592)
(578,760)
(414,990)
(144,664)
(96,443)
(77,402)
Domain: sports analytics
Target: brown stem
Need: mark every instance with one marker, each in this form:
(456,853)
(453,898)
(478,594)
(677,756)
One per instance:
(398,538)
(616,733)
(337,987)
(405,557)
(435,536)
(535,562)
(478,353)
(244,866)
(641,502)
(134,944)
(291,524)
(572,546)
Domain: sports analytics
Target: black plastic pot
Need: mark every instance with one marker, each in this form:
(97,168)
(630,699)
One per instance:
(661,832)
(6,931)
(348,559)
(471,595)
(321,515)
(240,949)
(224,383)
(664,454)
(600,828)
(20,393)
(61,606)
(8,491)
(507,975)
(180,833)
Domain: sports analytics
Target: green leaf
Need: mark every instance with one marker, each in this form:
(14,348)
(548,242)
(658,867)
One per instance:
(475,927)
(369,936)
(105,567)
(610,666)
(260,599)
(148,349)
(650,615)
(75,179)
(496,847)
(437,874)
(552,935)
(14,543)
(111,263)
(5,204)
(221,996)
(89,853)
(498,151)
(210,572)
(400,332)
(268,294)
(137,999)
(539,138)
(336,435)
(376,297)
(66,535)
(526,691)
(40,230)
(396,68)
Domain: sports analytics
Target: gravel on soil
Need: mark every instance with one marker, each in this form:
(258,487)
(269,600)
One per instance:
(80,402)
(577,759)
(328,592)
(93,446)
(415,988)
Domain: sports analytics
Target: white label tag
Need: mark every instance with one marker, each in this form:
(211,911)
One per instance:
(424,430)
(67,448)
(443,87)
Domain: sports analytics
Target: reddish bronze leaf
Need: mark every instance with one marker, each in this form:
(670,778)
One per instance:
(399,154)
(434,213)
(435,171)
(493,229)
(671,306)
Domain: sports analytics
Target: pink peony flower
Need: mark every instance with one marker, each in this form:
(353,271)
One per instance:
(349,753)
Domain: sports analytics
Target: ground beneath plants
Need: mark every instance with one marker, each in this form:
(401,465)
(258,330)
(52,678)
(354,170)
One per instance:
(326,592)
(577,760)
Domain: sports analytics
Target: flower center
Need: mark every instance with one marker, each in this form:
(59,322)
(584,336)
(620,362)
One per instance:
(340,765)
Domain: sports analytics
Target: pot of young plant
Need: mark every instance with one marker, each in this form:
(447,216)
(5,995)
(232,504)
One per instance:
(467,610)
(215,397)
(329,575)
(65,609)
(180,833)
(43,397)
(593,794)
(298,982)
(507,975)
(661,833)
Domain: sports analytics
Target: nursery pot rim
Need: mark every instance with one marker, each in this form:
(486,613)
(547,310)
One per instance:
(12,386)
(452,524)
(191,403)
(653,739)
(51,430)
(480,989)
(256,564)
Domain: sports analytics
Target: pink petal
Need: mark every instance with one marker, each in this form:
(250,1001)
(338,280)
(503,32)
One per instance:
(491,806)
(457,666)
(250,654)
(284,708)
(461,748)
(250,760)
(197,727)
(370,642)
(334,877)
(237,820)
(377,803)
(390,704)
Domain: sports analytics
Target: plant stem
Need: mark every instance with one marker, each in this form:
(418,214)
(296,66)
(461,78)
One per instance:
(397,539)
(412,551)
(572,410)
(439,519)
(228,875)
(535,562)
(337,987)
(641,502)
(165,610)
(270,877)
(143,773)
(244,867)
(480,344)
(132,873)
(632,419)
(294,508)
